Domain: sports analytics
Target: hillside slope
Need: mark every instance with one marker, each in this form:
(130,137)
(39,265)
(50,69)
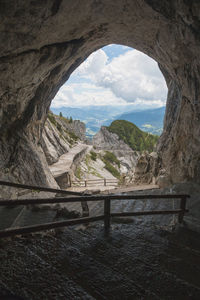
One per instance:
(137,139)
(148,120)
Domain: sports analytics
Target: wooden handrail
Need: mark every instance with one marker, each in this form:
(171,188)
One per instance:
(86,182)
(93,180)
(148,212)
(83,198)
(48,226)
(39,188)
(14,202)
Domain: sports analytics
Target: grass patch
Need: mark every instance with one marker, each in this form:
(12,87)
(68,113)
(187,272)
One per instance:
(134,137)
(93,155)
(110,157)
(78,173)
(110,168)
(73,136)
(52,119)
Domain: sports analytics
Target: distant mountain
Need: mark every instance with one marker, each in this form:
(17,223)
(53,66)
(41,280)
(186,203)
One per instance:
(93,116)
(96,116)
(134,137)
(150,120)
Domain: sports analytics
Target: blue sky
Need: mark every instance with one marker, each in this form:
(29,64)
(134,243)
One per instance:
(114,75)
(115,50)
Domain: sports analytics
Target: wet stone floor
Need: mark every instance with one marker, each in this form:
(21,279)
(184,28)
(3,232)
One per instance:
(132,262)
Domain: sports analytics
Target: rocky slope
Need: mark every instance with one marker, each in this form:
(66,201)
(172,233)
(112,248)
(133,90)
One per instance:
(137,139)
(69,158)
(59,135)
(106,140)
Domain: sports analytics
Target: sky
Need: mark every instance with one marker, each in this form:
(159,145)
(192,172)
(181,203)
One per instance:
(114,75)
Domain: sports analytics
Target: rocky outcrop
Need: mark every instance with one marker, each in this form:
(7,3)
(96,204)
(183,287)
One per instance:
(53,144)
(63,170)
(106,140)
(59,135)
(147,168)
(78,128)
(42,42)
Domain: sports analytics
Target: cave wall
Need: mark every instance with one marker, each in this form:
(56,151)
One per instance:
(42,42)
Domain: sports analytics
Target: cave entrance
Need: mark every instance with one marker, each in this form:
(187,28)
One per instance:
(117,91)
(49,42)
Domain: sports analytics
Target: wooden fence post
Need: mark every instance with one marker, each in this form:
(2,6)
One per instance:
(182,207)
(85,183)
(85,209)
(70,181)
(104,181)
(107,215)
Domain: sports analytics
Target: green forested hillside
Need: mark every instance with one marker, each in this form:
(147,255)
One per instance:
(137,139)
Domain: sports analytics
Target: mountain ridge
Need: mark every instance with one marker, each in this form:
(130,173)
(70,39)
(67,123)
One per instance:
(149,120)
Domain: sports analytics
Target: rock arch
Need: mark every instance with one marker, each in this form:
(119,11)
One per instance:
(42,42)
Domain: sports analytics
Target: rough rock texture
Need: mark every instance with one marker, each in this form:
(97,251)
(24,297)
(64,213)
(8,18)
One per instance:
(42,42)
(107,140)
(52,143)
(128,159)
(68,163)
(147,168)
(78,128)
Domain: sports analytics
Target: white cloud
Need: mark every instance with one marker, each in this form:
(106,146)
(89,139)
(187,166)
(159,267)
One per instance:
(90,95)
(131,77)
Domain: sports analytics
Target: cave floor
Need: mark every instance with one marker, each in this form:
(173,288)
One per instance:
(132,262)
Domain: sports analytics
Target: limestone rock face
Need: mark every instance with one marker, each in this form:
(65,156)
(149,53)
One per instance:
(106,140)
(147,168)
(77,127)
(42,42)
(53,144)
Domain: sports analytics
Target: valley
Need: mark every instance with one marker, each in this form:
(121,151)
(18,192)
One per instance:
(111,155)
(149,120)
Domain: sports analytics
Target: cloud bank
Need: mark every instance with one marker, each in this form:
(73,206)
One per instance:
(132,78)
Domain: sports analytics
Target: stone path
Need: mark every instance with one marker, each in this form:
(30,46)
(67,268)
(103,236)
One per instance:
(115,190)
(66,161)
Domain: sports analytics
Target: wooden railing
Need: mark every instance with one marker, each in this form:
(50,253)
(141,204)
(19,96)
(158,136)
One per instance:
(106,217)
(95,182)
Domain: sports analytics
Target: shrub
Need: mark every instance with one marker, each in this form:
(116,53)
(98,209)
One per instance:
(73,136)
(134,137)
(93,155)
(111,169)
(110,157)
(52,119)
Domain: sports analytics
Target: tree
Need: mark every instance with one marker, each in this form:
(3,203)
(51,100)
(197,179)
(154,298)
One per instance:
(70,120)
(60,115)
